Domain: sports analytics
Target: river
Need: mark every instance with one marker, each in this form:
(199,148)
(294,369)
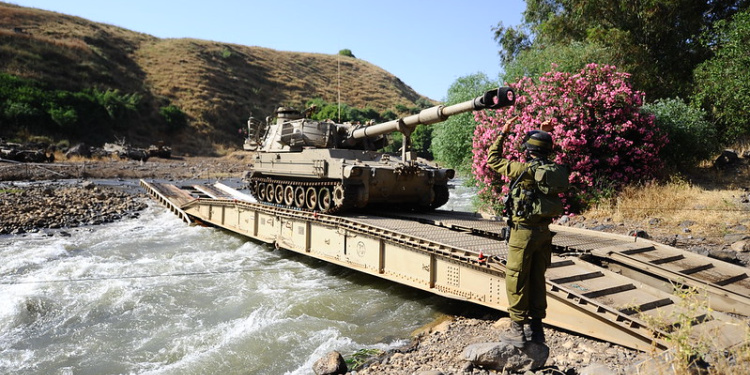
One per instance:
(153,295)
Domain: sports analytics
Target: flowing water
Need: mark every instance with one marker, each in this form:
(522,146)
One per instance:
(155,296)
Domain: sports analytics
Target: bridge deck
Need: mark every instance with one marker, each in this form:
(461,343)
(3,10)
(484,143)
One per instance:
(439,252)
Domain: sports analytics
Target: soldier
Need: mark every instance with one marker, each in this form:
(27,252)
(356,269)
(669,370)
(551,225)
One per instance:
(530,242)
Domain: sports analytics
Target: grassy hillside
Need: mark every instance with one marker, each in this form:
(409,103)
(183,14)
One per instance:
(217,85)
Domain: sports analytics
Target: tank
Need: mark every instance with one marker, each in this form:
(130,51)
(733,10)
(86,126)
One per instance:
(328,167)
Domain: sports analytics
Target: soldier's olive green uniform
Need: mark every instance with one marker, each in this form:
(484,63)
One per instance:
(529,247)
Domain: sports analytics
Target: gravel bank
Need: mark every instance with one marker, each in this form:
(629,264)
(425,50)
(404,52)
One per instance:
(55,205)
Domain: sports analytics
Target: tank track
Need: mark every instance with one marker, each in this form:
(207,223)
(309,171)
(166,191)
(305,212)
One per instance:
(326,197)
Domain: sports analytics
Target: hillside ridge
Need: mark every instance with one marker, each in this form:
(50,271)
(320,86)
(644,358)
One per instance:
(217,85)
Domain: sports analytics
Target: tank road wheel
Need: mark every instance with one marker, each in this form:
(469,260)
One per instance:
(289,195)
(339,196)
(311,198)
(325,200)
(279,194)
(270,189)
(261,191)
(299,197)
(253,187)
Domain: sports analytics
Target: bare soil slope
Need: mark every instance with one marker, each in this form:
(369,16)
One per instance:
(217,85)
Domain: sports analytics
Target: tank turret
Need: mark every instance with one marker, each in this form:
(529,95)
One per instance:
(329,167)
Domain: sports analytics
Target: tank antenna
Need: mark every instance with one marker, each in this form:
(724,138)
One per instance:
(338,88)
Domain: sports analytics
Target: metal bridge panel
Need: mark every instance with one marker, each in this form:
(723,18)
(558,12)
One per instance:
(363,251)
(441,257)
(327,242)
(409,266)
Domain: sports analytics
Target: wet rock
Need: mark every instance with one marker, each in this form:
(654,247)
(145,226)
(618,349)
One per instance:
(330,364)
(501,355)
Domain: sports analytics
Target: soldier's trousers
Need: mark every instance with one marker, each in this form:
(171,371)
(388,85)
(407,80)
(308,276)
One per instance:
(529,255)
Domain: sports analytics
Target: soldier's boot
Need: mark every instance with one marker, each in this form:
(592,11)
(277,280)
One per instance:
(514,335)
(535,332)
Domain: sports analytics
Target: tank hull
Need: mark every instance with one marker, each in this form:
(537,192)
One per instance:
(348,178)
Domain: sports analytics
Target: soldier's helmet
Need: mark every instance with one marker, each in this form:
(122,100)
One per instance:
(538,141)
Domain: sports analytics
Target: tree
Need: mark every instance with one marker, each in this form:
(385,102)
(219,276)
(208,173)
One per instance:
(571,57)
(599,132)
(346,52)
(452,142)
(722,83)
(655,40)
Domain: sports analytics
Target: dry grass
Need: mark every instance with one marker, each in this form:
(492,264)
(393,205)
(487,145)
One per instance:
(710,202)
(675,203)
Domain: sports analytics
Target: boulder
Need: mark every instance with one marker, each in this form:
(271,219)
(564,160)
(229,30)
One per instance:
(726,159)
(503,356)
(330,364)
(81,149)
(734,237)
(741,246)
(723,255)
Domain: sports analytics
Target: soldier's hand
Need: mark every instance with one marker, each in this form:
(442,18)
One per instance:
(509,124)
(546,126)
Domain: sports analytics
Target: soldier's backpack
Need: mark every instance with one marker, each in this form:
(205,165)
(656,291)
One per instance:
(543,200)
(552,178)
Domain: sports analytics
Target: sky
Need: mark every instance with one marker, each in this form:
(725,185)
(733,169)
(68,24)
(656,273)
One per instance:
(428,44)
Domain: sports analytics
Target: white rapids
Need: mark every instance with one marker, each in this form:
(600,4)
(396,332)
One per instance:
(155,296)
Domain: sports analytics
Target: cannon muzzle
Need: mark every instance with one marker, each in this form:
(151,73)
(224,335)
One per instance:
(492,99)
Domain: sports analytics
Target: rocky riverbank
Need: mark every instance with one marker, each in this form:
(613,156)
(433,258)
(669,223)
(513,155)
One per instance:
(48,196)
(439,350)
(54,205)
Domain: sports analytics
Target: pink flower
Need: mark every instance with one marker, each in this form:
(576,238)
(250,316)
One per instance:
(598,131)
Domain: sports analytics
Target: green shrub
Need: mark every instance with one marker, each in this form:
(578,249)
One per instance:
(692,138)
(31,108)
(174,117)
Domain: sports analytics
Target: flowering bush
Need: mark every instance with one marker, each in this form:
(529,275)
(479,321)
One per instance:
(598,130)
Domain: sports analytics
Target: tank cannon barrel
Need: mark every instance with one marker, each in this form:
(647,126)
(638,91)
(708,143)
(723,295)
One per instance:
(492,99)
